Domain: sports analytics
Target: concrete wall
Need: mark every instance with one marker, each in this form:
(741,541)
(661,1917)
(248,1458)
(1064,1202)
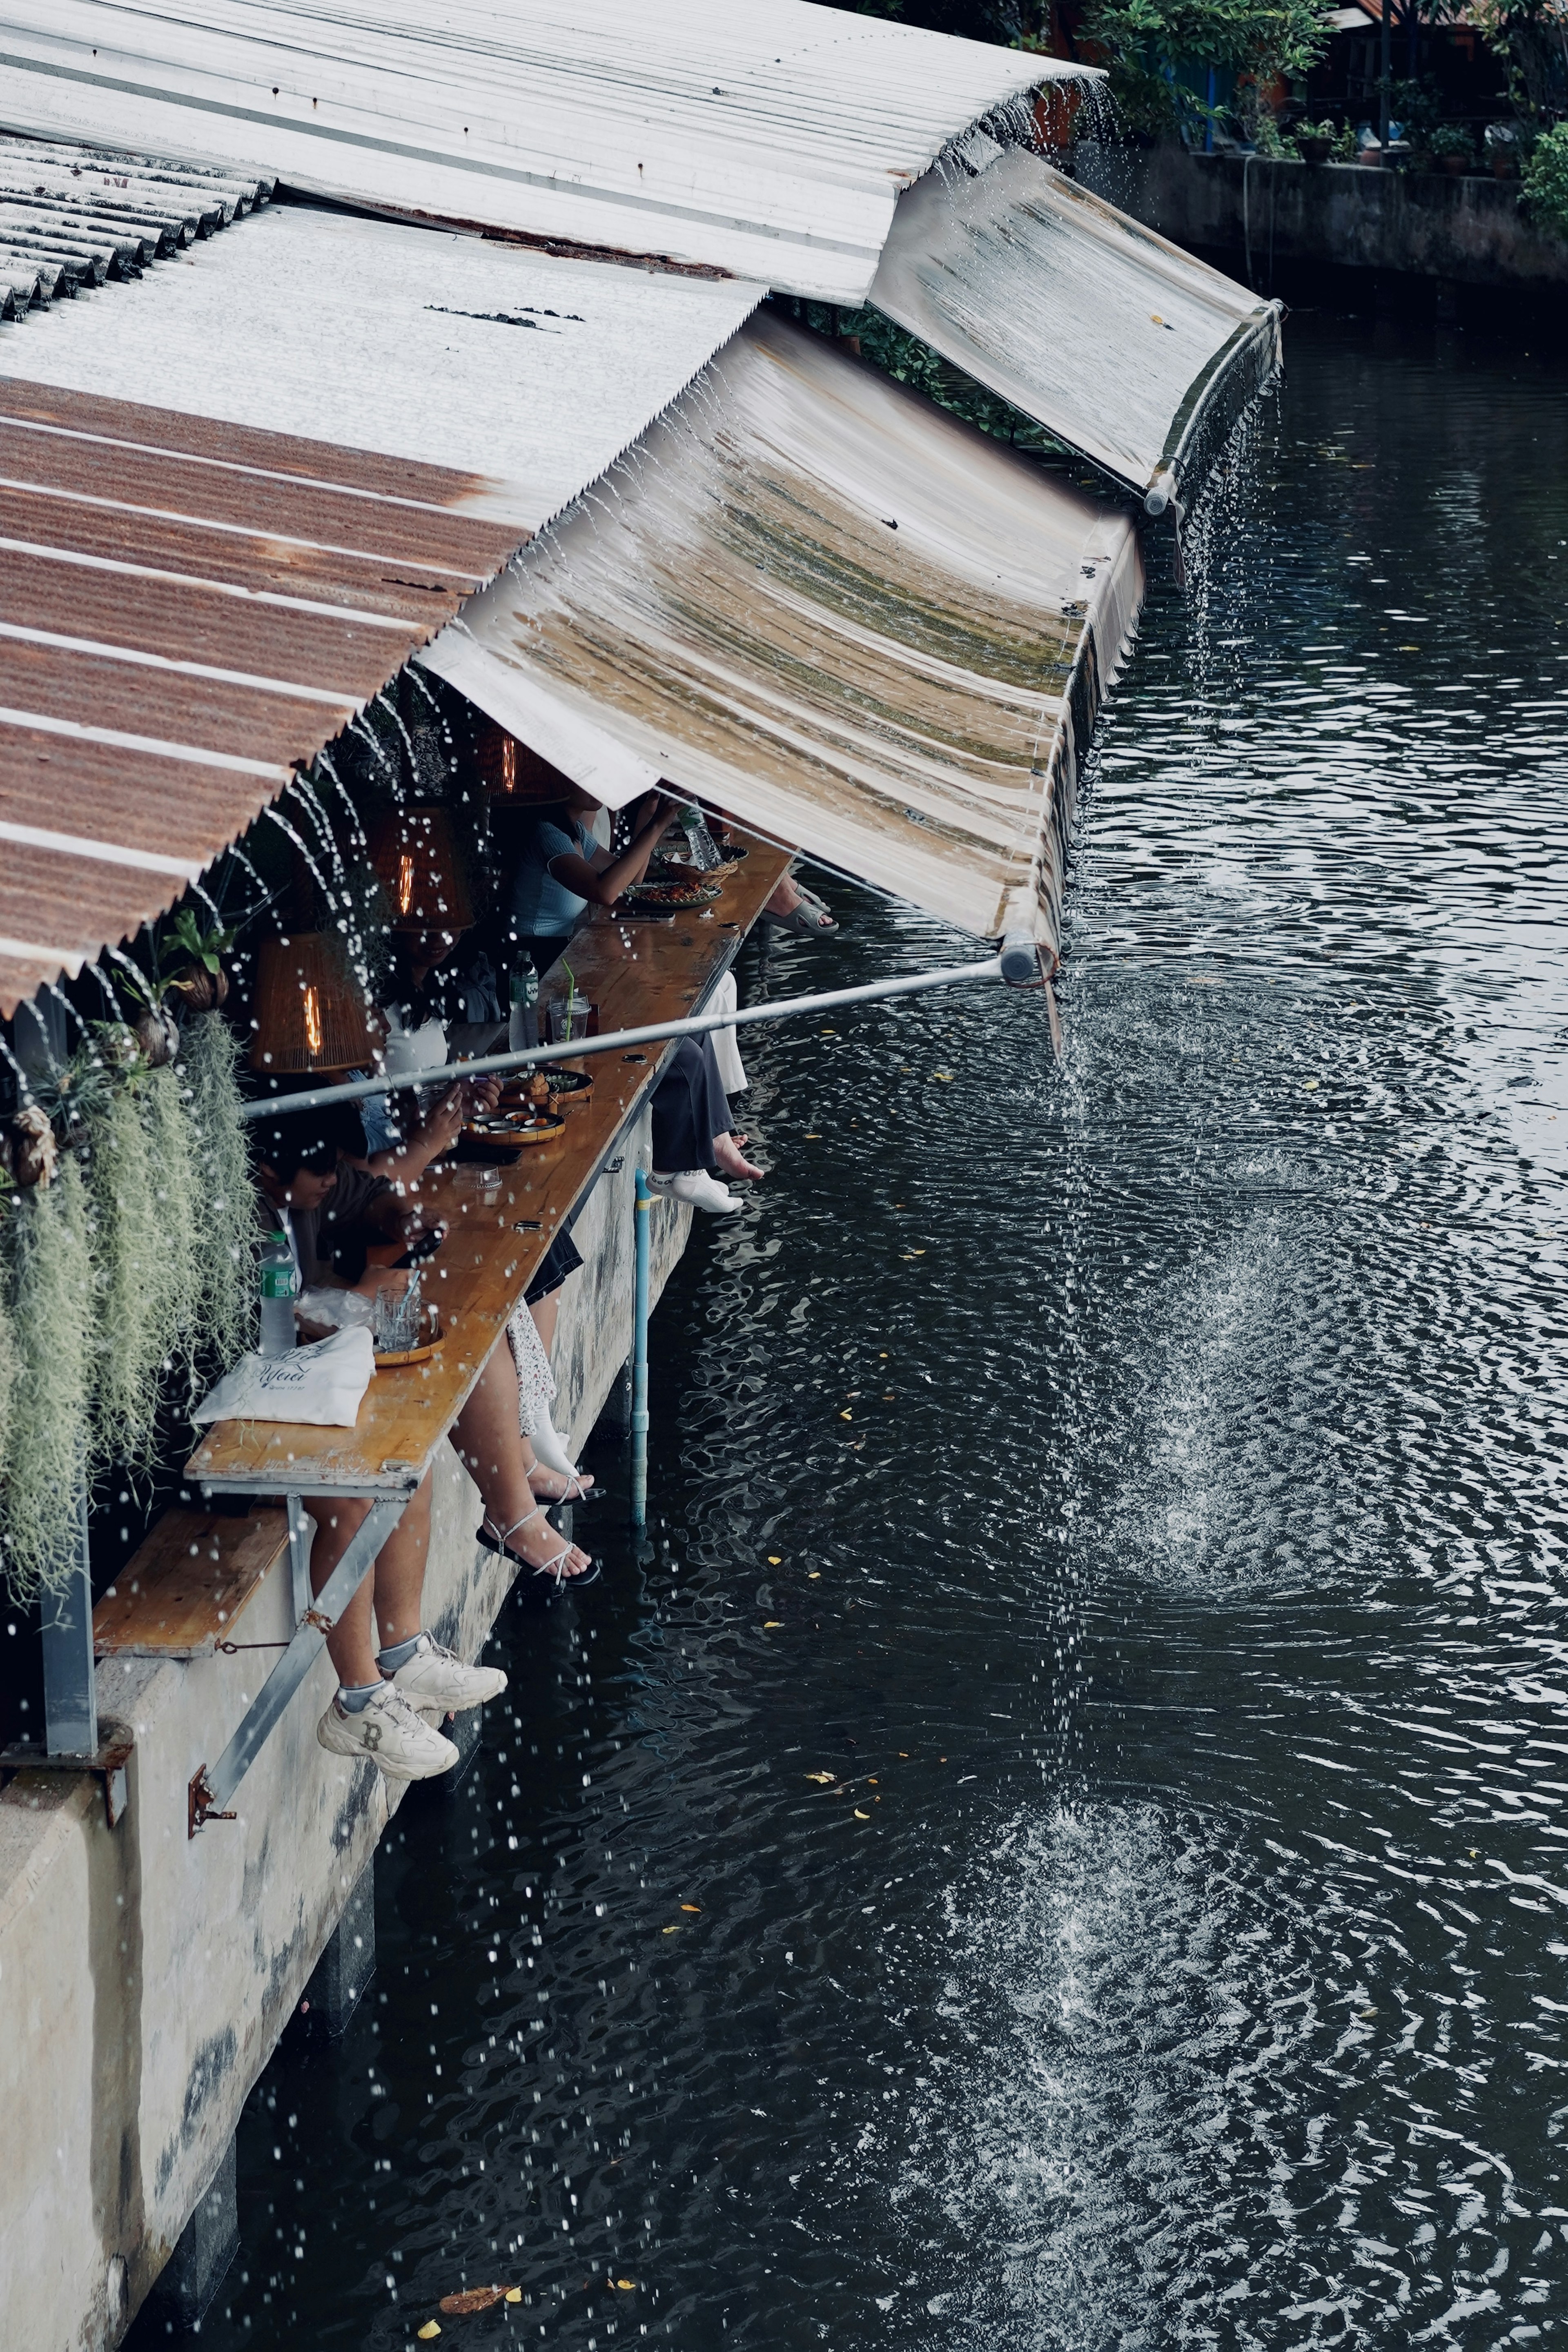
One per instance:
(145,1976)
(1468,231)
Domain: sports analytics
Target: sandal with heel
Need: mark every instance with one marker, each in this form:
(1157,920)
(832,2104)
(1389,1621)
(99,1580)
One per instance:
(498,1540)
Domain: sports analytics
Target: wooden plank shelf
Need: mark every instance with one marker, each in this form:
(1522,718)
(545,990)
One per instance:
(179,1594)
(636,974)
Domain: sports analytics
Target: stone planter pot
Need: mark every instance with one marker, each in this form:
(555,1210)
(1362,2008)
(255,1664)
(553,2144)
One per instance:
(1456,166)
(1315,151)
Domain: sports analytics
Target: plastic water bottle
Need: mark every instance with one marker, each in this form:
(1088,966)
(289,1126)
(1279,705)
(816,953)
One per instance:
(522,1029)
(702,847)
(280,1288)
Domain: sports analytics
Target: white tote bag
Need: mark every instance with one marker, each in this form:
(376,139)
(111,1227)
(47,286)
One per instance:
(323,1385)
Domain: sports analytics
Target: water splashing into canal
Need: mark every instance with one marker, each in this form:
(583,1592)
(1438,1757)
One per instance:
(1139,1490)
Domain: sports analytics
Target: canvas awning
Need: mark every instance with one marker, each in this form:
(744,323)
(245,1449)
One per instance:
(1117,341)
(817,601)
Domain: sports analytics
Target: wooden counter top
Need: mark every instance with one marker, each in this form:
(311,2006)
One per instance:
(636,974)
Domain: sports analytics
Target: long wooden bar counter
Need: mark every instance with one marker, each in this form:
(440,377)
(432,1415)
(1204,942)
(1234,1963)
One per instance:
(637,973)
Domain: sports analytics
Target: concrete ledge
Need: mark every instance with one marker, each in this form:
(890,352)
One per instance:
(145,1977)
(1467,231)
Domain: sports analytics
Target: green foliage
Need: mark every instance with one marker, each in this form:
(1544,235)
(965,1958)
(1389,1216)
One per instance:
(174,1302)
(908,361)
(186,938)
(1146,42)
(1451,139)
(128,1255)
(225,1239)
(1544,194)
(53,1319)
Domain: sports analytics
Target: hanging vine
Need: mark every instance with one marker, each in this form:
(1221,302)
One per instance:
(225,1239)
(53,1316)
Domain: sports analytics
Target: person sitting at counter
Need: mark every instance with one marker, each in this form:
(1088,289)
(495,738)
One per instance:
(561,868)
(302,1174)
(387,1674)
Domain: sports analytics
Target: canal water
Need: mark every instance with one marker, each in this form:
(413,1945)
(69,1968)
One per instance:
(1062,1843)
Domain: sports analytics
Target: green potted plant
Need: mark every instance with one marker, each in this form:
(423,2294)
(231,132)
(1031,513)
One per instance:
(1316,140)
(1452,146)
(201,979)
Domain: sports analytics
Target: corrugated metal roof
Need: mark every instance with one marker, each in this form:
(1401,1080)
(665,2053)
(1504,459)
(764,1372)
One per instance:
(1118,342)
(194,601)
(528,373)
(766,138)
(72,217)
(187,611)
(823,604)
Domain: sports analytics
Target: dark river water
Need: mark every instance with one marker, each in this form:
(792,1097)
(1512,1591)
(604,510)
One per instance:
(1063,1844)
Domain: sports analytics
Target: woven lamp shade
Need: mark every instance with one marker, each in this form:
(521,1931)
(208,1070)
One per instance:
(310,1013)
(416,860)
(510,772)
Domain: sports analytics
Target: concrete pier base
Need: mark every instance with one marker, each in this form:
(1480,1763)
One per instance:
(465,1731)
(189,2280)
(347,1964)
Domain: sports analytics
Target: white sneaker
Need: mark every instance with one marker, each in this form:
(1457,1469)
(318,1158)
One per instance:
(388,1731)
(703,1191)
(435,1677)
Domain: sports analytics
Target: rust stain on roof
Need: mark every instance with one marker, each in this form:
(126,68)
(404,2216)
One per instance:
(189,611)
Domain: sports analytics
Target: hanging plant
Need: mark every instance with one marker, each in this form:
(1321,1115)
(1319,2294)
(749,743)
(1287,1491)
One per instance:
(127,1252)
(54,1345)
(201,979)
(227,1228)
(177,1208)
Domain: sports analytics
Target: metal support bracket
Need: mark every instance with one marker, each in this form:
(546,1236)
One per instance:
(210,1790)
(107,1763)
(300,1536)
(643,1240)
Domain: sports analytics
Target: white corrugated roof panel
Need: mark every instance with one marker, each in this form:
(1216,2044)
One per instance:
(828,607)
(766,138)
(530,372)
(1121,344)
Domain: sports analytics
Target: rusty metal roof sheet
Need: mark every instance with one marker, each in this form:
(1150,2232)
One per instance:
(177,631)
(528,373)
(72,217)
(193,599)
(765,137)
(1118,342)
(830,608)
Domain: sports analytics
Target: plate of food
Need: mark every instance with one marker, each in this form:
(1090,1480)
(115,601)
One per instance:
(514,1131)
(669,897)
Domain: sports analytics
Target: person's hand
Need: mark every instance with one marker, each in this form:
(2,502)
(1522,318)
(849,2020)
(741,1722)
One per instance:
(655,808)
(444,1123)
(483,1094)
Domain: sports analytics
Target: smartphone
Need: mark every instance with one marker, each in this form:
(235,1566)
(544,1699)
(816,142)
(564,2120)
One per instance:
(425,1245)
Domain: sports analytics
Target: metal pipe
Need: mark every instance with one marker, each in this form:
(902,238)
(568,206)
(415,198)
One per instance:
(642,1235)
(698,1025)
(309,1638)
(70,1686)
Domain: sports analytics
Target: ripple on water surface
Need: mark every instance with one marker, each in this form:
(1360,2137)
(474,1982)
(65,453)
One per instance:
(1100,1686)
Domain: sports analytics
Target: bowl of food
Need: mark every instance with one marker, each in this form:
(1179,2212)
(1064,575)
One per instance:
(671,897)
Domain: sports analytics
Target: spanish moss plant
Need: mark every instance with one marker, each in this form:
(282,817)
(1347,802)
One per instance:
(127,1248)
(176,1300)
(226,1240)
(55,1332)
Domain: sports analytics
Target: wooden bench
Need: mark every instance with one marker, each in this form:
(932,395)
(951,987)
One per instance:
(181,1591)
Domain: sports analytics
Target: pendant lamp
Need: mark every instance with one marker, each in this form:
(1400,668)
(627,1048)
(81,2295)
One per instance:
(514,775)
(311,1012)
(414,854)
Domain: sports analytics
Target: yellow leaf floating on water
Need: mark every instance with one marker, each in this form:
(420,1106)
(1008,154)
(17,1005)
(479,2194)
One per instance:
(1309,1085)
(691,1906)
(625,2284)
(823,1779)
(773,1624)
(774,1560)
(473,2298)
(946,1075)
(514,2294)
(812,1575)
(431,2328)
(846,1416)
(860,1816)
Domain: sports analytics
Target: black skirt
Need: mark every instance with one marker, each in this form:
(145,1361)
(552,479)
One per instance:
(690,1109)
(562,1258)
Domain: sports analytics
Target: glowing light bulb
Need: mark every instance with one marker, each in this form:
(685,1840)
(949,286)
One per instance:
(404,883)
(312,1021)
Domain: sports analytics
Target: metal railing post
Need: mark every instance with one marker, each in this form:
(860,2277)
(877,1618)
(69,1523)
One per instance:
(70,1686)
(300,1535)
(642,1236)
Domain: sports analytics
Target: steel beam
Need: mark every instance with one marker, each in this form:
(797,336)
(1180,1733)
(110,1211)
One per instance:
(70,1686)
(211,1790)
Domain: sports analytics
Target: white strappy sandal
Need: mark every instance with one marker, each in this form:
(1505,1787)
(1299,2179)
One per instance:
(498,1540)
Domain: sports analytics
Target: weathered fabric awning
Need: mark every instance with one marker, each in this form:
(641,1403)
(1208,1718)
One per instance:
(767,139)
(234,501)
(815,601)
(1120,343)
